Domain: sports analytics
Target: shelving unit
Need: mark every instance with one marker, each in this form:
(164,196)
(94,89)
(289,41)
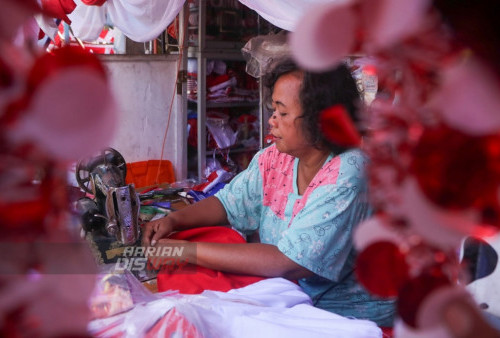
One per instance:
(203,50)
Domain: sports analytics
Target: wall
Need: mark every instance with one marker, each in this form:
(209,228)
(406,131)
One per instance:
(143,87)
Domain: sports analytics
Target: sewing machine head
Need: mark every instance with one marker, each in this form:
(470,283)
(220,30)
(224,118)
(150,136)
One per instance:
(114,209)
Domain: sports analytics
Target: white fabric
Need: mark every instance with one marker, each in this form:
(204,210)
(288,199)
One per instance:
(279,308)
(139,20)
(87,22)
(270,308)
(283,13)
(144,20)
(47,25)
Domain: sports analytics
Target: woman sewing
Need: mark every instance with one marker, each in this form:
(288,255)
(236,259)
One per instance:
(303,195)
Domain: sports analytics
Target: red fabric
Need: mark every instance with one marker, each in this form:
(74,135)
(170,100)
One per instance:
(387,332)
(173,28)
(195,279)
(94,2)
(59,8)
(60,60)
(213,80)
(173,324)
(210,179)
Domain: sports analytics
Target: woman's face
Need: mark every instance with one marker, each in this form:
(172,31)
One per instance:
(285,124)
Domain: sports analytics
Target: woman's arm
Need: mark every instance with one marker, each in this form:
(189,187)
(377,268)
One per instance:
(207,212)
(256,259)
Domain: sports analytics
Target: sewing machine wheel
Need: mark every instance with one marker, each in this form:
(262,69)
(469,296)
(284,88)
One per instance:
(86,166)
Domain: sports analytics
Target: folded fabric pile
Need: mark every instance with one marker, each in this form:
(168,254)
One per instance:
(224,82)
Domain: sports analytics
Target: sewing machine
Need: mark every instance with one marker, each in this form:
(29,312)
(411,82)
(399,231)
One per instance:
(112,215)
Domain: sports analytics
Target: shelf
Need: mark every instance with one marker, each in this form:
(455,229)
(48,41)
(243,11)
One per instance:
(231,104)
(206,45)
(231,46)
(234,150)
(223,51)
(234,104)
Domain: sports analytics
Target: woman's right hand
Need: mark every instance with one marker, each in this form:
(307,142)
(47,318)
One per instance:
(207,212)
(157,229)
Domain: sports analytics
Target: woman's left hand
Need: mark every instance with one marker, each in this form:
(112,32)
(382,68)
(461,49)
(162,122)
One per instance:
(172,241)
(170,251)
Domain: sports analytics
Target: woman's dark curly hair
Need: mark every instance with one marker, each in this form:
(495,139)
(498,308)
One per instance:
(318,92)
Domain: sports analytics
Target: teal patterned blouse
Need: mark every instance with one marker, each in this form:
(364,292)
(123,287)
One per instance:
(313,229)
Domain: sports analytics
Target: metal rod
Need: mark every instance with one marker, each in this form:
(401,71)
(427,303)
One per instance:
(201,98)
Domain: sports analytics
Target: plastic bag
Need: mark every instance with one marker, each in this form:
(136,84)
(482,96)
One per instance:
(264,51)
(117,291)
(275,305)
(221,131)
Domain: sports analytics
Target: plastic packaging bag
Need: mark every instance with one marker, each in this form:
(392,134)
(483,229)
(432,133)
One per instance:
(221,131)
(117,291)
(264,51)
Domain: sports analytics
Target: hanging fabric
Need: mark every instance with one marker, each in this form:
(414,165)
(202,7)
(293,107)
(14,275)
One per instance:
(139,20)
(144,20)
(282,13)
(87,22)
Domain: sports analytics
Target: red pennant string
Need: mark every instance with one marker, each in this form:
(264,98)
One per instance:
(61,59)
(382,269)
(6,75)
(459,171)
(416,290)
